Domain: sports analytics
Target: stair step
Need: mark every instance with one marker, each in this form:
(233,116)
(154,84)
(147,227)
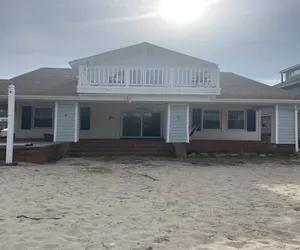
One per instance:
(96,154)
(94,148)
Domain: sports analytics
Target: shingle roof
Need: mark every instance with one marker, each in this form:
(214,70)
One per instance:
(63,82)
(45,82)
(236,86)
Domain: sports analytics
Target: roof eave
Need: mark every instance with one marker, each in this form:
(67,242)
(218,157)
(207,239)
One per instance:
(290,68)
(216,100)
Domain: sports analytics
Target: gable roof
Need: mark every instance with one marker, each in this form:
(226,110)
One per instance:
(63,82)
(143,53)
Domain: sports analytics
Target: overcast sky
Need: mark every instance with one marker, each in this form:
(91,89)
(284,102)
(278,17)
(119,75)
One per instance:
(255,38)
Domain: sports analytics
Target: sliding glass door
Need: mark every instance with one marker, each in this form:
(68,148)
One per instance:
(141,124)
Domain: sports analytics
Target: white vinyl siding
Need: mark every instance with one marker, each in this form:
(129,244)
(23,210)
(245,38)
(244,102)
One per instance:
(286,124)
(178,123)
(65,123)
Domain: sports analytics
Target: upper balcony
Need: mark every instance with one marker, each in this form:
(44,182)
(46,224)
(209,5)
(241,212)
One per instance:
(146,80)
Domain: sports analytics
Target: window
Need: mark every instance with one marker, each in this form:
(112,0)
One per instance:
(197,118)
(43,117)
(85,118)
(236,119)
(295,72)
(211,119)
(26,117)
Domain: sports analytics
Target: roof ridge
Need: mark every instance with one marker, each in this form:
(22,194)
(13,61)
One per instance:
(54,68)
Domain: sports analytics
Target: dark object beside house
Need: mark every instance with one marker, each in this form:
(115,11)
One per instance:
(48,137)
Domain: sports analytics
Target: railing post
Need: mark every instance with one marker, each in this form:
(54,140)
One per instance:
(80,75)
(217,78)
(127,77)
(172,77)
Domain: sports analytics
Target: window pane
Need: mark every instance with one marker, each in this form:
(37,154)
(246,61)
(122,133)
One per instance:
(132,124)
(210,124)
(26,117)
(236,115)
(197,118)
(251,120)
(236,119)
(43,122)
(85,118)
(211,115)
(43,113)
(151,124)
(236,124)
(211,119)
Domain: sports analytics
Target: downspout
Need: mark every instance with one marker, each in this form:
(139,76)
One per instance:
(296,108)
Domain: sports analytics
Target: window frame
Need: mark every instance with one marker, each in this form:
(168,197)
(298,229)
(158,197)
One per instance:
(220,119)
(236,110)
(34,117)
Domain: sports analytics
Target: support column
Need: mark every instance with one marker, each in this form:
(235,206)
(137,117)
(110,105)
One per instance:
(66,122)
(178,128)
(273,125)
(276,114)
(10,125)
(296,129)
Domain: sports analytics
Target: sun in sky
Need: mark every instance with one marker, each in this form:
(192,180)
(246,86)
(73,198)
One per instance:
(183,11)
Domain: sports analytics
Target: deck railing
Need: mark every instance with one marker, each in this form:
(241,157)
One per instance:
(137,77)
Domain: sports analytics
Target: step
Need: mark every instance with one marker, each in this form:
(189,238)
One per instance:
(125,147)
(140,153)
(120,149)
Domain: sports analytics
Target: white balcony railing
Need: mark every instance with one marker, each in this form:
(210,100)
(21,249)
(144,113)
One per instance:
(137,79)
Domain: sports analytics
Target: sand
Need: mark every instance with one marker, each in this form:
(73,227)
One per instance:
(149,204)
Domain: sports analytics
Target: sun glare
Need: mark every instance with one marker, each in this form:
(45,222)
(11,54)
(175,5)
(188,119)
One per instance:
(182,11)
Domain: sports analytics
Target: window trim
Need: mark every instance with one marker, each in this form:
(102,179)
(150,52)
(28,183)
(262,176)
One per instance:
(220,119)
(235,110)
(33,117)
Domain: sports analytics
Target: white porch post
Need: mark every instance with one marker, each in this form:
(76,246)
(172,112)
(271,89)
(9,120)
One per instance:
(76,136)
(187,123)
(259,124)
(276,124)
(168,123)
(296,129)
(11,124)
(55,122)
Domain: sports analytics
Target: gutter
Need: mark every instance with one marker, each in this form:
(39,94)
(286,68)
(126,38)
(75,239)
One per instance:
(208,100)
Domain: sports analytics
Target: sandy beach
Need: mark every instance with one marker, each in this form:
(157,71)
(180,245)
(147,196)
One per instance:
(146,204)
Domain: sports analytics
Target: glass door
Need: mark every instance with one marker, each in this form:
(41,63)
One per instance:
(132,123)
(141,124)
(151,124)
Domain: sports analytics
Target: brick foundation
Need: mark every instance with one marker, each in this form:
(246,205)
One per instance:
(180,150)
(39,155)
(207,146)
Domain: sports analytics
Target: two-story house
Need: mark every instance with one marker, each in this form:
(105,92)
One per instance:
(146,93)
(290,80)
